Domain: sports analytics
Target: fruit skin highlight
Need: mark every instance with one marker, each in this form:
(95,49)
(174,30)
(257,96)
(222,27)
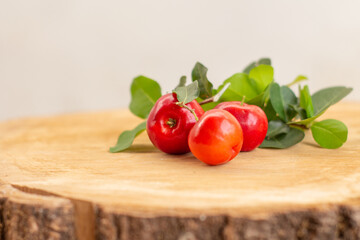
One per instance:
(216,138)
(168,125)
(253,122)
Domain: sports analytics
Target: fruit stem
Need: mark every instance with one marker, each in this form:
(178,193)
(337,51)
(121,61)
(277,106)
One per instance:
(181,104)
(217,96)
(303,127)
(208,100)
(242,101)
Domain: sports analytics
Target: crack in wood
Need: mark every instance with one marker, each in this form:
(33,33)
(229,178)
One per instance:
(34,191)
(84,220)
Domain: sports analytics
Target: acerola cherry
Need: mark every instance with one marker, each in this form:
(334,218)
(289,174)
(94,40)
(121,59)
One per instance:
(253,122)
(216,138)
(168,124)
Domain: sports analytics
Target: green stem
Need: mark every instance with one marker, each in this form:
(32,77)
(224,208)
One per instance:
(242,101)
(295,82)
(303,127)
(181,104)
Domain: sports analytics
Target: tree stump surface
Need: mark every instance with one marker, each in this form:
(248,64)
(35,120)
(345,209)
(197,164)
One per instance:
(58,181)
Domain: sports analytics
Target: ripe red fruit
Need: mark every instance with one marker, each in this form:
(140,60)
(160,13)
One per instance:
(253,122)
(168,124)
(216,138)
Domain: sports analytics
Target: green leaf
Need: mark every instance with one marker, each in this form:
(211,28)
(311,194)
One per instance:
(276,128)
(240,86)
(277,101)
(144,93)
(306,101)
(188,93)
(263,75)
(284,140)
(289,99)
(126,138)
(199,73)
(329,133)
(288,95)
(326,97)
(266,96)
(182,82)
(214,92)
(298,79)
(264,61)
(258,100)
(209,105)
(261,99)
(270,112)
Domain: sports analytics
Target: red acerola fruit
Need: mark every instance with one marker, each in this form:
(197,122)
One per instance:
(253,122)
(216,138)
(168,125)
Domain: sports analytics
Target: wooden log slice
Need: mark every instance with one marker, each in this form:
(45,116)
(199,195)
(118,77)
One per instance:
(58,181)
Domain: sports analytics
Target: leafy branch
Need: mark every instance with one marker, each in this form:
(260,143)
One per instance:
(288,115)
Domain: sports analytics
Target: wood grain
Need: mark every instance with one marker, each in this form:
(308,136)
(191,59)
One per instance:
(58,169)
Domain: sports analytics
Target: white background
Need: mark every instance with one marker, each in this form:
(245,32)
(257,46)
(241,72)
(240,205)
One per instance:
(71,55)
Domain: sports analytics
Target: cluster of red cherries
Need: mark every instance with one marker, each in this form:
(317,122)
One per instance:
(215,138)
